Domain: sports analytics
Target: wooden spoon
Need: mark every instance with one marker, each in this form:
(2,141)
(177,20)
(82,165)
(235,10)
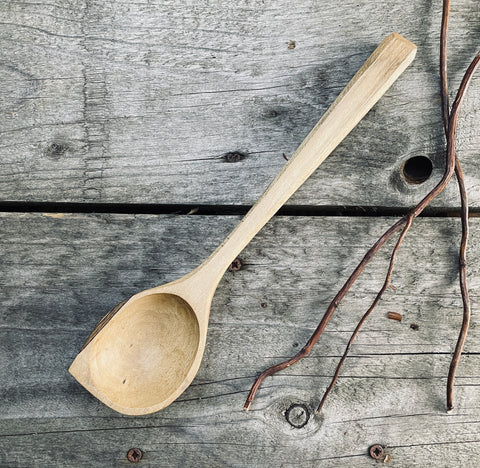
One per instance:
(144,353)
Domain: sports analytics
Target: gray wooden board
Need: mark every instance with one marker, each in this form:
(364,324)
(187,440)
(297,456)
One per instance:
(61,273)
(121,101)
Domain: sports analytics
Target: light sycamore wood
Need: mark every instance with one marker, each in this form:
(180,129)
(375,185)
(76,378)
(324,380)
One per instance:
(143,356)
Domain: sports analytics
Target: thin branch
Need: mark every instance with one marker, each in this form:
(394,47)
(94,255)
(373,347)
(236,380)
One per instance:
(443,65)
(464,291)
(326,317)
(462,261)
(463,245)
(449,170)
(368,312)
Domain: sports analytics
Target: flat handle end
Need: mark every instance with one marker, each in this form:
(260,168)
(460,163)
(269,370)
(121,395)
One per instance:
(400,46)
(399,38)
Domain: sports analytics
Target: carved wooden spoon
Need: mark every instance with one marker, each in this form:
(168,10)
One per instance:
(144,353)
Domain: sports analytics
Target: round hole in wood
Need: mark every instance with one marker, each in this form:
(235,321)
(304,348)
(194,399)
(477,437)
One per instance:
(417,170)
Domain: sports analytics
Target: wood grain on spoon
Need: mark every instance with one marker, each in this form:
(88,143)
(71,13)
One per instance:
(145,353)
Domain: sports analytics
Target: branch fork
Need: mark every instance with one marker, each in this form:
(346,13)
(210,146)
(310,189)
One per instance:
(452,166)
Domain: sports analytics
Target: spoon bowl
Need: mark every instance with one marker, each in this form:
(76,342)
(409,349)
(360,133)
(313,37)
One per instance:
(159,358)
(146,351)
(170,334)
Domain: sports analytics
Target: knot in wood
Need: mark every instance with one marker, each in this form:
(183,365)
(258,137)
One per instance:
(297,415)
(56,149)
(234,156)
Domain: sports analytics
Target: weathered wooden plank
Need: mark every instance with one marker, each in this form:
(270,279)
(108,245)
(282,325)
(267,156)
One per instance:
(139,101)
(189,443)
(60,273)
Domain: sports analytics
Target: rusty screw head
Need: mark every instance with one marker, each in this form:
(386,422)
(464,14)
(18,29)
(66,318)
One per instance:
(235,265)
(377,452)
(134,455)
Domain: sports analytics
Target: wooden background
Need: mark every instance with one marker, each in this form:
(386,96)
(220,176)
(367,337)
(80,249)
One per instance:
(116,121)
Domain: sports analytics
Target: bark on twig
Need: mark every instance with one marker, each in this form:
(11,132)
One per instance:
(452,165)
(368,312)
(462,261)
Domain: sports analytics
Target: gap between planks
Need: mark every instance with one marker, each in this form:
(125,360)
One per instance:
(222,210)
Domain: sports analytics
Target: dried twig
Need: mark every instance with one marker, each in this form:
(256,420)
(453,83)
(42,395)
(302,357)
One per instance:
(368,312)
(463,245)
(452,165)
(462,261)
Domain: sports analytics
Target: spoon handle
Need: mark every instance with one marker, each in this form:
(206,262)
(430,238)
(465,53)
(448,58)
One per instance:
(377,74)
